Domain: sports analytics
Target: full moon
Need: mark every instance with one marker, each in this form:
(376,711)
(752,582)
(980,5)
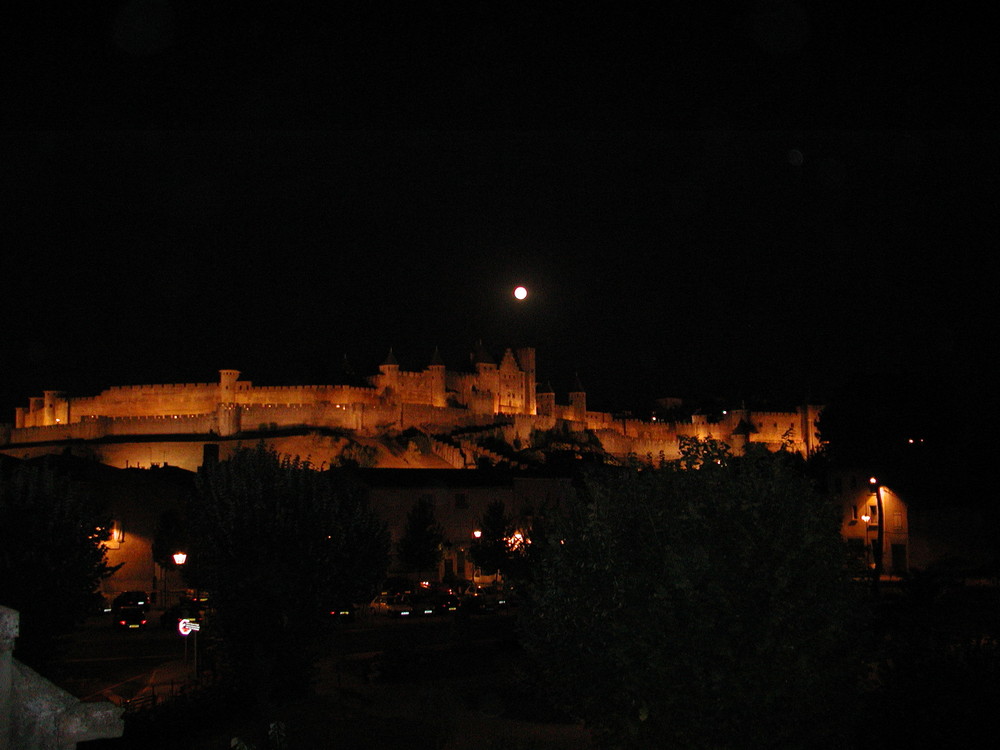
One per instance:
(520,292)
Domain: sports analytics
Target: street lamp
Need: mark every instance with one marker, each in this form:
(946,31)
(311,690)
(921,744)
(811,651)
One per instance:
(180,558)
(868,550)
(880,531)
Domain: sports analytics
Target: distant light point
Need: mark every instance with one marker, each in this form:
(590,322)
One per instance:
(520,292)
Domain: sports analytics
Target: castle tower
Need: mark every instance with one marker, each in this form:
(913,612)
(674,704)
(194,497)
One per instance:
(700,425)
(436,370)
(578,400)
(227,386)
(488,378)
(526,360)
(56,408)
(227,412)
(388,378)
(809,428)
(546,401)
(740,436)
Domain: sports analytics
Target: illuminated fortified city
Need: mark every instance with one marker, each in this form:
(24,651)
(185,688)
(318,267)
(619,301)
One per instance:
(435,420)
(449,414)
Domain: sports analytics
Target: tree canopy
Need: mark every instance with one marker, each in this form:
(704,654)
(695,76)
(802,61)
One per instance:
(52,554)
(419,548)
(491,551)
(276,542)
(699,607)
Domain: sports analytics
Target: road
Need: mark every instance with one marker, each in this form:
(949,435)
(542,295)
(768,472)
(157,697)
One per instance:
(98,658)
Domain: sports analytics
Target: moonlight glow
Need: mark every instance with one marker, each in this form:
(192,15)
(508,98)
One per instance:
(520,292)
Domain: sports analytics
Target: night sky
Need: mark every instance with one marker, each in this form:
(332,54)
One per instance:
(769,208)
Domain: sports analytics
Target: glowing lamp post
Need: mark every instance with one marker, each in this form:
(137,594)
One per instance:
(868,550)
(477,535)
(880,532)
(186,626)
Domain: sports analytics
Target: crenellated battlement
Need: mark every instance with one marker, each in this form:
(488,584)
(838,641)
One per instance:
(395,400)
(153,387)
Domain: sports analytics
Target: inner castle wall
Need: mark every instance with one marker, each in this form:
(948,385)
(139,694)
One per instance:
(434,400)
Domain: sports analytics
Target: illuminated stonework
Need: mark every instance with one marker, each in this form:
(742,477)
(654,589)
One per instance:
(149,425)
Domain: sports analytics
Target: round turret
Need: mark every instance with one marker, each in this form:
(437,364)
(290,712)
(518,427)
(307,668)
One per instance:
(227,386)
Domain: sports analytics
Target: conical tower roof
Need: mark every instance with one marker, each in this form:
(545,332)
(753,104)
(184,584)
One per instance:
(481,356)
(347,375)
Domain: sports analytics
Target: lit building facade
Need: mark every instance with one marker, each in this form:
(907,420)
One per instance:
(150,425)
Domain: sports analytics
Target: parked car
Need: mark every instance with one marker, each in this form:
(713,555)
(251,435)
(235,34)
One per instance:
(341,611)
(129,610)
(401,605)
(443,603)
(488,598)
(131,600)
(131,619)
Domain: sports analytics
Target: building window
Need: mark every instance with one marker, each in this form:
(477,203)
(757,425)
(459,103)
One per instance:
(854,512)
(897,521)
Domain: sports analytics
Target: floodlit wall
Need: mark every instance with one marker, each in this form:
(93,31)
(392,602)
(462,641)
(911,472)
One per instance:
(861,521)
(434,400)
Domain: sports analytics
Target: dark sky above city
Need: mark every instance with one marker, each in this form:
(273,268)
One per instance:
(774,207)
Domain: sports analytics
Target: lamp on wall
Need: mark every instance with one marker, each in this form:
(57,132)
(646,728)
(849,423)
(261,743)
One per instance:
(880,532)
(180,558)
(116,535)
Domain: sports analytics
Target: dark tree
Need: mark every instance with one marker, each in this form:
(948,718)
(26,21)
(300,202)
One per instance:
(274,542)
(419,548)
(170,537)
(52,555)
(698,608)
(491,551)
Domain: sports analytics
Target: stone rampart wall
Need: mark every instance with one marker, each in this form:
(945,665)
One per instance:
(621,446)
(449,453)
(307,395)
(772,426)
(522,425)
(439,419)
(172,425)
(148,400)
(53,432)
(266,416)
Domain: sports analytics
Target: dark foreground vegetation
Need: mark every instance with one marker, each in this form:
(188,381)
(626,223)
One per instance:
(707,603)
(932,681)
